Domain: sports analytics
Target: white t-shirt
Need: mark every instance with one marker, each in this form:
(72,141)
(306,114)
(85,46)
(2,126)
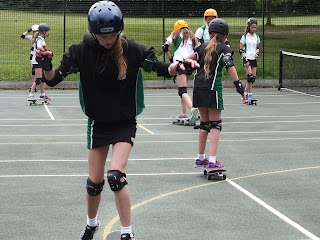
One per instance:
(203,33)
(184,49)
(250,42)
(38,43)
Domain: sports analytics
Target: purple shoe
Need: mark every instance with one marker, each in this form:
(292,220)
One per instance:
(201,163)
(215,166)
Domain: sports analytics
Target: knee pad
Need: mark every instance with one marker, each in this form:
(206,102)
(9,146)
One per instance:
(251,78)
(215,125)
(38,81)
(204,126)
(182,90)
(94,189)
(114,180)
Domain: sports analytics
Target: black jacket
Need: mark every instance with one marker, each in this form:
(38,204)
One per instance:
(102,96)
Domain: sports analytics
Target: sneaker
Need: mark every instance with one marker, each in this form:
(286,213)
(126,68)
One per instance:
(31,97)
(182,116)
(201,163)
(249,97)
(88,232)
(193,116)
(127,236)
(215,166)
(44,98)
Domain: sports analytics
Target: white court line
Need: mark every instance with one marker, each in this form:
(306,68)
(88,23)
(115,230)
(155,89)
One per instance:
(85,160)
(274,211)
(48,111)
(85,175)
(158,124)
(168,118)
(176,142)
(167,134)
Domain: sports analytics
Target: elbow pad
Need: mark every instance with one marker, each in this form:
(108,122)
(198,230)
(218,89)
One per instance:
(55,80)
(228,61)
(241,51)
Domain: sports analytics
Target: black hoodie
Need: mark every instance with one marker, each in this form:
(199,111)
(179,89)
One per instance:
(102,96)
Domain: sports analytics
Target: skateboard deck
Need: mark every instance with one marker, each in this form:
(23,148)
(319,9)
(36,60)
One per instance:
(217,174)
(181,121)
(251,102)
(38,102)
(115,235)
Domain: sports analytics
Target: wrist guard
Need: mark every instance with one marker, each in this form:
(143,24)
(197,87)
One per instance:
(44,62)
(188,69)
(23,36)
(239,87)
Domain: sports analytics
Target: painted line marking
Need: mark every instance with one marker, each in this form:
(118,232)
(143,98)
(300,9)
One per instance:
(110,224)
(48,111)
(145,129)
(274,211)
(178,141)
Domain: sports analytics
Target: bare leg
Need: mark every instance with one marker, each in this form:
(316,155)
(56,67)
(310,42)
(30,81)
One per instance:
(119,160)
(96,163)
(182,81)
(214,115)
(203,135)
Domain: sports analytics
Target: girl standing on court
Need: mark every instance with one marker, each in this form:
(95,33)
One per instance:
(109,67)
(32,38)
(249,51)
(202,33)
(183,41)
(207,92)
(43,33)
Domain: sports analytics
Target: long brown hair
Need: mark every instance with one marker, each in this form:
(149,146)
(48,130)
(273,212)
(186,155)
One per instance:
(208,50)
(186,34)
(34,36)
(119,58)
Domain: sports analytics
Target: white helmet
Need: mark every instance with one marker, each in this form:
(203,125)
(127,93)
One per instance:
(35,27)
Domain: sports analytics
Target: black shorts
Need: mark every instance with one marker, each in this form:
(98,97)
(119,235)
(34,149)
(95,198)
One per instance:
(253,63)
(104,134)
(207,98)
(36,66)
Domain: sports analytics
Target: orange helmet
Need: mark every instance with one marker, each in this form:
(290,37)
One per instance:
(210,12)
(180,24)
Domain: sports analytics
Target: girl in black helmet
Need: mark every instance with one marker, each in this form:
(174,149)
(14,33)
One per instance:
(109,68)
(207,92)
(249,51)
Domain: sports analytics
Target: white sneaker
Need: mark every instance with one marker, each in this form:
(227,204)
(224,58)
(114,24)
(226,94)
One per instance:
(193,116)
(31,98)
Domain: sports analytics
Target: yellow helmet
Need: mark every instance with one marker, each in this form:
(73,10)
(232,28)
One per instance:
(210,12)
(180,24)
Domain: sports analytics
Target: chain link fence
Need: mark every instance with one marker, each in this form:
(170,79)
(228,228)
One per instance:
(291,25)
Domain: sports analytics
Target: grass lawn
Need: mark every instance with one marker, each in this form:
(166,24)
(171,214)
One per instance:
(293,34)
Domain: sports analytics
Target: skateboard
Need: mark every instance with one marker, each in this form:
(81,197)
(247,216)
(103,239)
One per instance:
(251,102)
(35,102)
(115,235)
(181,121)
(217,174)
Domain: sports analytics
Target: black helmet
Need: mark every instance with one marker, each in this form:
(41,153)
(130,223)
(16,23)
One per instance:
(218,25)
(43,27)
(252,20)
(105,17)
